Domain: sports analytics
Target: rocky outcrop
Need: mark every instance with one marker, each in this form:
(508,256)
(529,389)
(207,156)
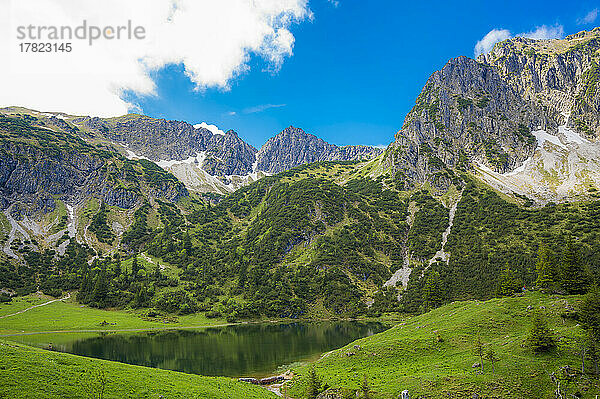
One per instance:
(39,166)
(293,147)
(226,157)
(485,112)
(160,139)
(561,75)
(204,160)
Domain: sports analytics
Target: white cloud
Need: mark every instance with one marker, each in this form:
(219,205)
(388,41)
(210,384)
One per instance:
(589,18)
(335,3)
(213,129)
(261,108)
(494,36)
(213,41)
(545,32)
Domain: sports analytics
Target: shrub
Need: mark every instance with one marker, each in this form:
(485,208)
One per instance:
(540,337)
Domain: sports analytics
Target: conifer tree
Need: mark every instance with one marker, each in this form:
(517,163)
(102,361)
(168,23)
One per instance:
(313,388)
(479,351)
(135,267)
(432,291)
(85,289)
(100,289)
(508,283)
(573,277)
(540,337)
(492,357)
(141,297)
(545,268)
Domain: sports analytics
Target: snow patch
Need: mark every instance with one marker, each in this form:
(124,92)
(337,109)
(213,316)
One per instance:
(542,137)
(571,136)
(198,159)
(168,164)
(213,129)
(255,163)
(519,169)
(59,116)
(133,155)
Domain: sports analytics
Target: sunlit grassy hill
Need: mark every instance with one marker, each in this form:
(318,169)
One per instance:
(432,355)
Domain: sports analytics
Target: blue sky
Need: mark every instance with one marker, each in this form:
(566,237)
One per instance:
(356,67)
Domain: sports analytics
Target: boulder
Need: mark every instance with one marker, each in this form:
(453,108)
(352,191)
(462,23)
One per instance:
(270,380)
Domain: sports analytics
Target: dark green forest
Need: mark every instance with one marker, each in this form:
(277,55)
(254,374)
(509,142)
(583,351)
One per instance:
(288,243)
(302,243)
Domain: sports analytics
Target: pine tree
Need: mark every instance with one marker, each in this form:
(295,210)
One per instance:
(545,268)
(100,289)
(508,283)
(141,297)
(492,357)
(135,267)
(540,337)
(85,289)
(432,291)
(573,277)
(313,388)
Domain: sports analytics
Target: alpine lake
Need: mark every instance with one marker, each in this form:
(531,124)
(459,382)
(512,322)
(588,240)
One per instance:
(242,350)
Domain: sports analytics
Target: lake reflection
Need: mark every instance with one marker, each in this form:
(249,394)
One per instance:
(242,350)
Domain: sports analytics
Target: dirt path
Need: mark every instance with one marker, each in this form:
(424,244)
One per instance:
(37,306)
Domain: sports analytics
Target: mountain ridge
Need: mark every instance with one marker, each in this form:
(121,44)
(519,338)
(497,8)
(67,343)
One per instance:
(223,162)
(494,114)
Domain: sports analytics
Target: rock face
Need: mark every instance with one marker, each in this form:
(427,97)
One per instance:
(294,147)
(222,162)
(39,166)
(159,139)
(203,160)
(484,113)
(210,162)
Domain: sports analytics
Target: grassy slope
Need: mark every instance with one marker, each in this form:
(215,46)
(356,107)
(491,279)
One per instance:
(409,355)
(34,373)
(70,315)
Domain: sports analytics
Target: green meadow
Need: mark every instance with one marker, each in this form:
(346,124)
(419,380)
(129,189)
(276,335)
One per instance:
(432,355)
(27,372)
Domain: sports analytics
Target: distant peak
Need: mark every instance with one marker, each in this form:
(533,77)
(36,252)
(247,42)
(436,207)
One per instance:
(293,130)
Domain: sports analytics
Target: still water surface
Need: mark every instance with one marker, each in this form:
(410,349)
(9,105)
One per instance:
(255,350)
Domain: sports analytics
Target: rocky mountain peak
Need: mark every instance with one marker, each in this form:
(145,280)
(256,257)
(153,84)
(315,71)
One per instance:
(494,112)
(293,147)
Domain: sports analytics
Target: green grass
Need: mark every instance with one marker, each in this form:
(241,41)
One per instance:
(27,372)
(71,316)
(432,354)
(22,303)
